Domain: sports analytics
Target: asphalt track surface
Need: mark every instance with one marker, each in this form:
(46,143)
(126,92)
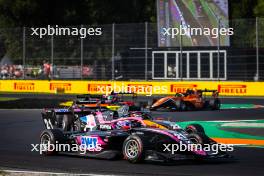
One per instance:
(20,128)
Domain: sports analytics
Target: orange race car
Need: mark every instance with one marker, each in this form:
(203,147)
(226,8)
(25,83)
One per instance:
(190,100)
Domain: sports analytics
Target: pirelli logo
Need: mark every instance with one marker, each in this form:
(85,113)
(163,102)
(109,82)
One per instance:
(98,87)
(181,88)
(142,88)
(232,89)
(61,86)
(24,86)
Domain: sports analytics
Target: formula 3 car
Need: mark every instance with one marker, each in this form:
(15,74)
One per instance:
(112,101)
(190,100)
(131,139)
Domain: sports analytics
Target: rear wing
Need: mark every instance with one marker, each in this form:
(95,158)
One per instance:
(132,94)
(88,96)
(67,111)
(88,99)
(215,93)
(53,118)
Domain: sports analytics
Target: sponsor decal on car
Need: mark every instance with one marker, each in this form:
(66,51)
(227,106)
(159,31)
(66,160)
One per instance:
(90,143)
(28,86)
(236,89)
(61,110)
(90,122)
(105,127)
(181,88)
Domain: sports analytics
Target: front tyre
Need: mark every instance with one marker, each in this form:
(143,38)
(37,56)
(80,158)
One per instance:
(133,149)
(199,138)
(194,128)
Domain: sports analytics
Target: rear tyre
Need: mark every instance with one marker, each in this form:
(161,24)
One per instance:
(133,149)
(195,128)
(67,122)
(77,125)
(181,105)
(215,104)
(48,138)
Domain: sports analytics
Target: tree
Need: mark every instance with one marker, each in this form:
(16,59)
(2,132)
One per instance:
(259,9)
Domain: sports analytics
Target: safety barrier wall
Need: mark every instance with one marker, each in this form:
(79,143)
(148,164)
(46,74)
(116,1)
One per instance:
(140,87)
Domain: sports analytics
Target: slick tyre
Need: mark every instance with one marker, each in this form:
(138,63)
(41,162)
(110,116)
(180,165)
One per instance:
(77,125)
(181,105)
(199,138)
(194,128)
(133,149)
(215,104)
(48,139)
(67,122)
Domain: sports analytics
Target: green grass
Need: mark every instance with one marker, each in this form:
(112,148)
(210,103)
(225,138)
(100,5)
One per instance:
(8,98)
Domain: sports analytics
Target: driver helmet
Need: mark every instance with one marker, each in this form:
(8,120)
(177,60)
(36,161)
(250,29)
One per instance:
(110,97)
(126,124)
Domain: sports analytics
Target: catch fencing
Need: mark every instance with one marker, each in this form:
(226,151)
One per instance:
(131,52)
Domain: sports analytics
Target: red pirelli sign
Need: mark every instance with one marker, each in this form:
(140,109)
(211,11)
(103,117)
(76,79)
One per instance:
(64,86)
(24,86)
(232,89)
(181,88)
(98,88)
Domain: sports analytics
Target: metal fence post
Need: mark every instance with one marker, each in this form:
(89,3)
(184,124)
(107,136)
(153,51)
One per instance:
(52,56)
(218,50)
(146,50)
(113,51)
(257,52)
(81,56)
(181,76)
(24,51)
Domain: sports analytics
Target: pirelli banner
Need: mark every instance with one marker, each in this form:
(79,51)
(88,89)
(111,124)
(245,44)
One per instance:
(143,88)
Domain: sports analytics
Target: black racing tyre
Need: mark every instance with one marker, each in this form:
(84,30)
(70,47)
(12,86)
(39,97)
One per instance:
(215,104)
(53,137)
(67,122)
(77,125)
(194,128)
(59,119)
(133,149)
(199,138)
(181,105)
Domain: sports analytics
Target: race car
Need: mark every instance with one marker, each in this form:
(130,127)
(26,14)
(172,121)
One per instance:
(190,100)
(112,101)
(132,139)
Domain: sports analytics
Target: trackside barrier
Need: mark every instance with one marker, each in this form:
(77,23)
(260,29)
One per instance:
(143,88)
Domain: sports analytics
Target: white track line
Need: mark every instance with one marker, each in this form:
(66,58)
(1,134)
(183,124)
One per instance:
(50,173)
